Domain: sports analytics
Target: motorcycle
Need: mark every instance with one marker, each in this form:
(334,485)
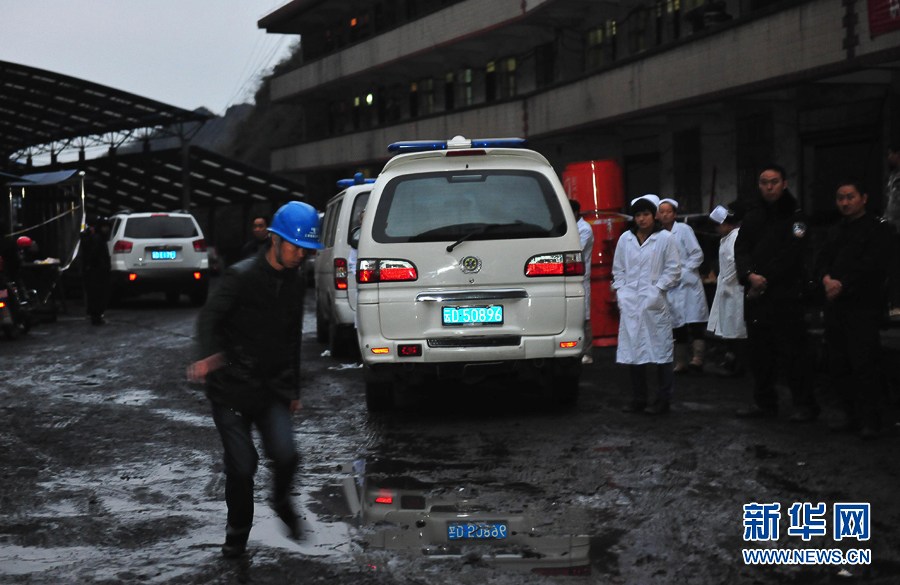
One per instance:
(15,308)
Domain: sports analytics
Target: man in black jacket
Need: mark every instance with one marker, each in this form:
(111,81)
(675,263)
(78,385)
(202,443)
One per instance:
(249,332)
(852,268)
(769,254)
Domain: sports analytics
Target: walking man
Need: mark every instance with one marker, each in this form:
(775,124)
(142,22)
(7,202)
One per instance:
(249,334)
(769,254)
(853,272)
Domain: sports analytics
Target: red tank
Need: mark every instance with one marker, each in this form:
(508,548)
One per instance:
(599,188)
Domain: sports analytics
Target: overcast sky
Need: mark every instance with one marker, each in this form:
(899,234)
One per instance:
(185,53)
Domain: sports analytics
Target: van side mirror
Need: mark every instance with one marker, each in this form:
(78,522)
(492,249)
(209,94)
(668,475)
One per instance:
(353,240)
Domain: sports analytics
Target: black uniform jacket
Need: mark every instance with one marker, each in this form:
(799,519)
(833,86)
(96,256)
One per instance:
(254,317)
(772,243)
(857,253)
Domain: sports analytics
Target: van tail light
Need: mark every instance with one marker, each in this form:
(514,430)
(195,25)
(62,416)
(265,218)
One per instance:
(555,264)
(371,270)
(340,273)
(123,247)
(199,245)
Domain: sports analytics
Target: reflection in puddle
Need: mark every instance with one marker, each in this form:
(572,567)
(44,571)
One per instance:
(401,513)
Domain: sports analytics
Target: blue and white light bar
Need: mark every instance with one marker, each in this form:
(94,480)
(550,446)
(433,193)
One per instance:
(457,142)
(358,179)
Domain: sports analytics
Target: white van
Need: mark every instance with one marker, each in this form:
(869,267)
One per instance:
(335,289)
(469,266)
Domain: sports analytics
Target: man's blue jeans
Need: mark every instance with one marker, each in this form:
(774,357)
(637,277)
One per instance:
(273,421)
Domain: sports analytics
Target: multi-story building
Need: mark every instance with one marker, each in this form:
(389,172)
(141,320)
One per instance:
(691,96)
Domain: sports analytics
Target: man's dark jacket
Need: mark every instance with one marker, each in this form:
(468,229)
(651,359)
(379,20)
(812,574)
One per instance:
(856,253)
(772,243)
(254,317)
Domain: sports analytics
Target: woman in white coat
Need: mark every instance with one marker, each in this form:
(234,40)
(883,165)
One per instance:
(645,266)
(726,318)
(688,299)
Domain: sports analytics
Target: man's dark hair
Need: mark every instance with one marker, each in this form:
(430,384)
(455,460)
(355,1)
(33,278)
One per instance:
(773,167)
(894,145)
(262,217)
(860,188)
(576,207)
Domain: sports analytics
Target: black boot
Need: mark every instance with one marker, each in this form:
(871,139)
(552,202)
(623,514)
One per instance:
(235,542)
(285,510)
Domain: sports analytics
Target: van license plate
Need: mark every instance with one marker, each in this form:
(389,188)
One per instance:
(476,530)
(489,315)
(163,255)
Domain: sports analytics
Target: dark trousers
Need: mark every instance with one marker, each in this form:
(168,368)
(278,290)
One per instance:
(778,341)
(96,293)
(665,376)
(273,421)
(853,347)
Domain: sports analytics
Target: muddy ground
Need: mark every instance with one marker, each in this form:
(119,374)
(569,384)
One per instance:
(110,471)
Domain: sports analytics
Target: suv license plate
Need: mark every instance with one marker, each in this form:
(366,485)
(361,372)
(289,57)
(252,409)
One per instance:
(477,530)
(489,315)
(163,255)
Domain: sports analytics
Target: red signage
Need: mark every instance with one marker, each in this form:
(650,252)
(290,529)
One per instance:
(884,16)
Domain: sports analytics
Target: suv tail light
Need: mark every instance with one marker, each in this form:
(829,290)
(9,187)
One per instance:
(199,245)
(340,273)
(386,271)
(122,247)
(555,264)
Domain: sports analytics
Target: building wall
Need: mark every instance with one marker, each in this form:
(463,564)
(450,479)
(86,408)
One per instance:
(721,84)
(458,21)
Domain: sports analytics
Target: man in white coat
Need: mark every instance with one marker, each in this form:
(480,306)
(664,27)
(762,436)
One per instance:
(726,317)
(687,299)
(586,236)
(645,266)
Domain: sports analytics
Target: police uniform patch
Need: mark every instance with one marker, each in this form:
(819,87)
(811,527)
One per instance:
(799,229)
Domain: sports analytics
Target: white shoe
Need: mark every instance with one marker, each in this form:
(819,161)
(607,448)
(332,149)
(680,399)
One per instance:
(586,359)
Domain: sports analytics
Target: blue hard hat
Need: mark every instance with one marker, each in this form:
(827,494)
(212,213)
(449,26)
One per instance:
(297,223)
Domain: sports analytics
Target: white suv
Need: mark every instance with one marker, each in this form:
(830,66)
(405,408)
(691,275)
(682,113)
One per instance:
(335,286)
(158,252)
(469,266)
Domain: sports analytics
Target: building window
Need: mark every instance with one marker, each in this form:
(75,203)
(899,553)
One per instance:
(449,91)
(490,82)
(427,96)
(545,64)
(601,45)
(414,100)
(508,77)
(467,95)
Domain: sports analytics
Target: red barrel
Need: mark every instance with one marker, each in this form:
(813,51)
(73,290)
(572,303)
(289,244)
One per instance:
(598,186)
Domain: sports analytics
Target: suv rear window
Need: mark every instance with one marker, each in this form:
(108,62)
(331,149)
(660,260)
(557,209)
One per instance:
(478,205)
(160,227)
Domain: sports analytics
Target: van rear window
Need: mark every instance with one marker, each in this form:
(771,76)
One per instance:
(160,227)
(480,205)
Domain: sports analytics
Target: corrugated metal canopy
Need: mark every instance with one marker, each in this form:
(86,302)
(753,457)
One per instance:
(150,181)
(39,107)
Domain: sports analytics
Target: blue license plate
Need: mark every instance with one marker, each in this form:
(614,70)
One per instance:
(163,255)
(477,530)
(489,315)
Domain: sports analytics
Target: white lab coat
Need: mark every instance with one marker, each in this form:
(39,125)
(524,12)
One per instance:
(641,276)
(688,299)
(726,318)
(586,236)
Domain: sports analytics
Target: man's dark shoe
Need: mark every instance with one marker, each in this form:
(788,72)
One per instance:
(846,426)
(634,407)
(285,510)
(756,412)
(235,543)
(869,434)
(804,415)
(658,407)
